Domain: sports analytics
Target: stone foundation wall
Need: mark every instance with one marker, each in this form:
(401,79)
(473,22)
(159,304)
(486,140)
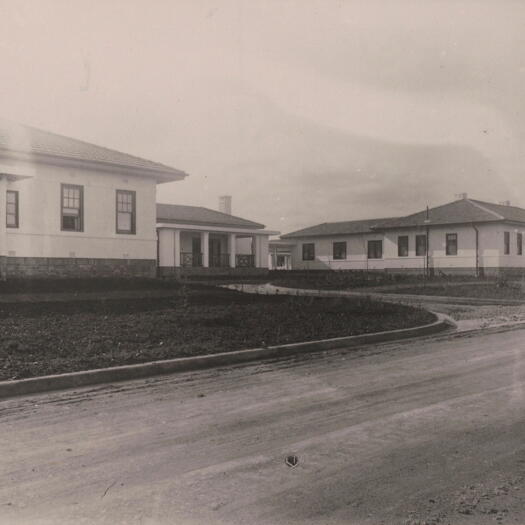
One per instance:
(56,267)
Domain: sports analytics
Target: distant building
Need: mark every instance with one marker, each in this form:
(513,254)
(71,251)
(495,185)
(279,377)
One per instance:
(467,236)
(280,254)
(195,240)
(74,209)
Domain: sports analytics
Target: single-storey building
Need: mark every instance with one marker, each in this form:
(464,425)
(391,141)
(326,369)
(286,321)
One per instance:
(74,209)
(465,235)
(194,240)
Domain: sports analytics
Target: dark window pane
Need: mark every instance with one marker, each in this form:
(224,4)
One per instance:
(506,241)
(421,245)
(375,249)
(339,250)
(402,246)
(70,223)
(452,244)
(308,252)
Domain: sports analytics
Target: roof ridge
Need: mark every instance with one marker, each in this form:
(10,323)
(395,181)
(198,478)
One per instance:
(481,207)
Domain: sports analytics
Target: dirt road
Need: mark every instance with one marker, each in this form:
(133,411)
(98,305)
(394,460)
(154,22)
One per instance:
(430,431)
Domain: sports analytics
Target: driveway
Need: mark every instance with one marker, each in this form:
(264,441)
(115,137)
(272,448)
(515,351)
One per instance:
(430,431)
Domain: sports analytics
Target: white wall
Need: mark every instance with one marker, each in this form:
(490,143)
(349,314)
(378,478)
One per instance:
(39,233)
(491,242)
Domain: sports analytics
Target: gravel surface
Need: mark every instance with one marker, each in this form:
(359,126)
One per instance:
(419,432)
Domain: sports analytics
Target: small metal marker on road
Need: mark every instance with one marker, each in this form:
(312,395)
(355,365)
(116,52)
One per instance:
(292,461)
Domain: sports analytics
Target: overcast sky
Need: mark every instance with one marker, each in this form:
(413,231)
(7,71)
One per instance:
(304,111)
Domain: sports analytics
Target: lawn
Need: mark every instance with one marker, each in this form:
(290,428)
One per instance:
(489,290)
(451,286)
(46,338)
(351,280)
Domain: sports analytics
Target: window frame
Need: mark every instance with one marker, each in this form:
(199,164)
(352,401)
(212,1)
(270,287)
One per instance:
(506,243)
(448,243)
(374,242)
(519,243)
(336,255)
(133,228)
(63,187)
(425,247)
(17,212)
(305,246)
(399,245)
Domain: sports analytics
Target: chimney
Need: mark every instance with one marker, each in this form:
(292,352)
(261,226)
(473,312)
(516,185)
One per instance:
(505,203)
(461,195)
(225,204)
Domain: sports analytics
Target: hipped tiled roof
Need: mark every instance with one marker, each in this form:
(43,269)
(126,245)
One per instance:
(338,228)
(463,211)
(18,138)
(177,213)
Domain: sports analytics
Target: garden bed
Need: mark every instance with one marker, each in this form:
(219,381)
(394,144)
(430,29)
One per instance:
(46,338)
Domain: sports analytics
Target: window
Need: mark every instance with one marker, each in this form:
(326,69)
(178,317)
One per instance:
(126,211)
(72,208)
(519,243)
(12,209)
(506,243)
(402,246)
(375,249)
(421,245)
(452,244)
(339,250)
(309,251)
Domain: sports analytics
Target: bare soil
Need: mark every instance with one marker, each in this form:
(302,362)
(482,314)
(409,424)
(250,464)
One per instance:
(42,338)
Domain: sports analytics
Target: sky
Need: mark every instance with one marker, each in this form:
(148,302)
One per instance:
(305,111)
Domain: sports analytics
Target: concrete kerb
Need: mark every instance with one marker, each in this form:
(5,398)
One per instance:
(35,385)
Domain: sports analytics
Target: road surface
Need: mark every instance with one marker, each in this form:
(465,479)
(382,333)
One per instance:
(429,431)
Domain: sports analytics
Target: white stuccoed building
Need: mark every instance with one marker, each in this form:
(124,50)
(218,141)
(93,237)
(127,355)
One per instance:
(74,209)
(198,241)
(464,236)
